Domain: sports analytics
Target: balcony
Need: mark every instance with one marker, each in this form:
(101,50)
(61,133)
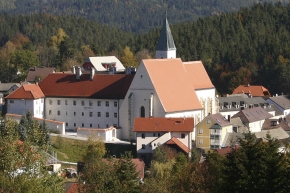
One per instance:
(215,136)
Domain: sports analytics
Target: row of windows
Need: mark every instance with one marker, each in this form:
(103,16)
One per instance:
(99,103)
(12,101)
(144,135)
(90,125)
(83,114)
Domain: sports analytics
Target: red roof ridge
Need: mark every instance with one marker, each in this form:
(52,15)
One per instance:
(176,141)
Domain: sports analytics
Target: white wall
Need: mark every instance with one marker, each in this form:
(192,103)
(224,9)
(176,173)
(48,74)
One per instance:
(21,106)
(79,115)
(165,54)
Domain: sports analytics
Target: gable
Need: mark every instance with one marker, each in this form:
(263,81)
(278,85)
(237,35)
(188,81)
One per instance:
(169,79)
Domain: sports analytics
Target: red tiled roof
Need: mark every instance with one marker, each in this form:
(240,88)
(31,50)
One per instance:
(174,140)
(254,90)
(226,150)
(103,86)
(27,91)
(153,124)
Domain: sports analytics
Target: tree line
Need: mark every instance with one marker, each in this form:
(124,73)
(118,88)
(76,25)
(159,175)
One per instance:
(250,46)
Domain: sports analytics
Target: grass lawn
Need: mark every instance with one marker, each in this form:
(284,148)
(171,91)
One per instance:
(72,150)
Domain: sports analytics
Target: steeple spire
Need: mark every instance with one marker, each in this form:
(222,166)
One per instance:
(165,47)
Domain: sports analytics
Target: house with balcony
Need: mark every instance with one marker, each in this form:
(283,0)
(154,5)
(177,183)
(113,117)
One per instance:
(211,132)
(151,132)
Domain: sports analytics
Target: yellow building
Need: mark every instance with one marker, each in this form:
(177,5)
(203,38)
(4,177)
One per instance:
(211,132)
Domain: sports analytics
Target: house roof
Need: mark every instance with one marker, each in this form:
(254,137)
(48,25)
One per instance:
(165,41)
(4,87)
(253,114)
(153,124)
(173,87)
(27,91)
(38,71)
(100,62)
(254,90)
(226,150)
(282,101)
(276,123)
(197,75)
(103,86)
(177,142)
(219,119)
(277,133)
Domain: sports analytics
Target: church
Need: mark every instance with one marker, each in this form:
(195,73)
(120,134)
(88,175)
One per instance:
(167,87)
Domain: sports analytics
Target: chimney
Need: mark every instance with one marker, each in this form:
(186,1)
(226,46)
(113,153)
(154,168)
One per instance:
(78,72)
(229,118)
(92,73)
(73,70)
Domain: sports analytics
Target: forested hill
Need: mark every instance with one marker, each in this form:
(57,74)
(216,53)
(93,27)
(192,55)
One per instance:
(130,15)
(251,45)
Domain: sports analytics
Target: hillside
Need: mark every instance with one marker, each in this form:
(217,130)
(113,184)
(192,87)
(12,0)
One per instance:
(129,15)
(250,46)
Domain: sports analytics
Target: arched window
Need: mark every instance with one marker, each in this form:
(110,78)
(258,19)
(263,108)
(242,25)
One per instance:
(142,111)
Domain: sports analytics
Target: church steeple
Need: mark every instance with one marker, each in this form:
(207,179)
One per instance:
(165,47)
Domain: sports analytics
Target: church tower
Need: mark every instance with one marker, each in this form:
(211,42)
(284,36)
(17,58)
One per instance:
(165,47)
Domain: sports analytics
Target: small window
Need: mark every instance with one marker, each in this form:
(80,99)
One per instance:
(182,135)
(115,125)
(115,104)
(83,125)
(91,114)
(49,112)
(41,100)
(83,113)
(158,134)
(75,124)
(154,134)
(107,114)
(107,126)
(66,113)
(208,121)
(200,141)
(74,102)
(66,124)
(200,131)
(58,112)
(75,113)
(91,103)
(99,103)
(143,135)
(99,114)
(83,103)
(58,102)
(143,146)
(115,115)
(50,102)
(65,102)
(91,125)
(98,125)
(107,103)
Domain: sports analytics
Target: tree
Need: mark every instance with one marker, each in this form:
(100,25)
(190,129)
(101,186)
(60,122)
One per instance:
(127,58)
(22,164)
(257,166)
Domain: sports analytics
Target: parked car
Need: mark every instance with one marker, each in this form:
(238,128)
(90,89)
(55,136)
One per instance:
(70,172)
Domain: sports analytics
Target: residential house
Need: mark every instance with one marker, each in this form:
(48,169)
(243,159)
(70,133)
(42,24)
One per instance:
(282,102)
(151,132)
(6,89)
(85,100)
(36,74)
(232,104)
(211,132)
(253,118)
(28,97)
(252,90)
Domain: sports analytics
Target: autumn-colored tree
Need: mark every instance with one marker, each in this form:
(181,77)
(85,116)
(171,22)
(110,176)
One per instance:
(20,40)
(128,58)
(57,38)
